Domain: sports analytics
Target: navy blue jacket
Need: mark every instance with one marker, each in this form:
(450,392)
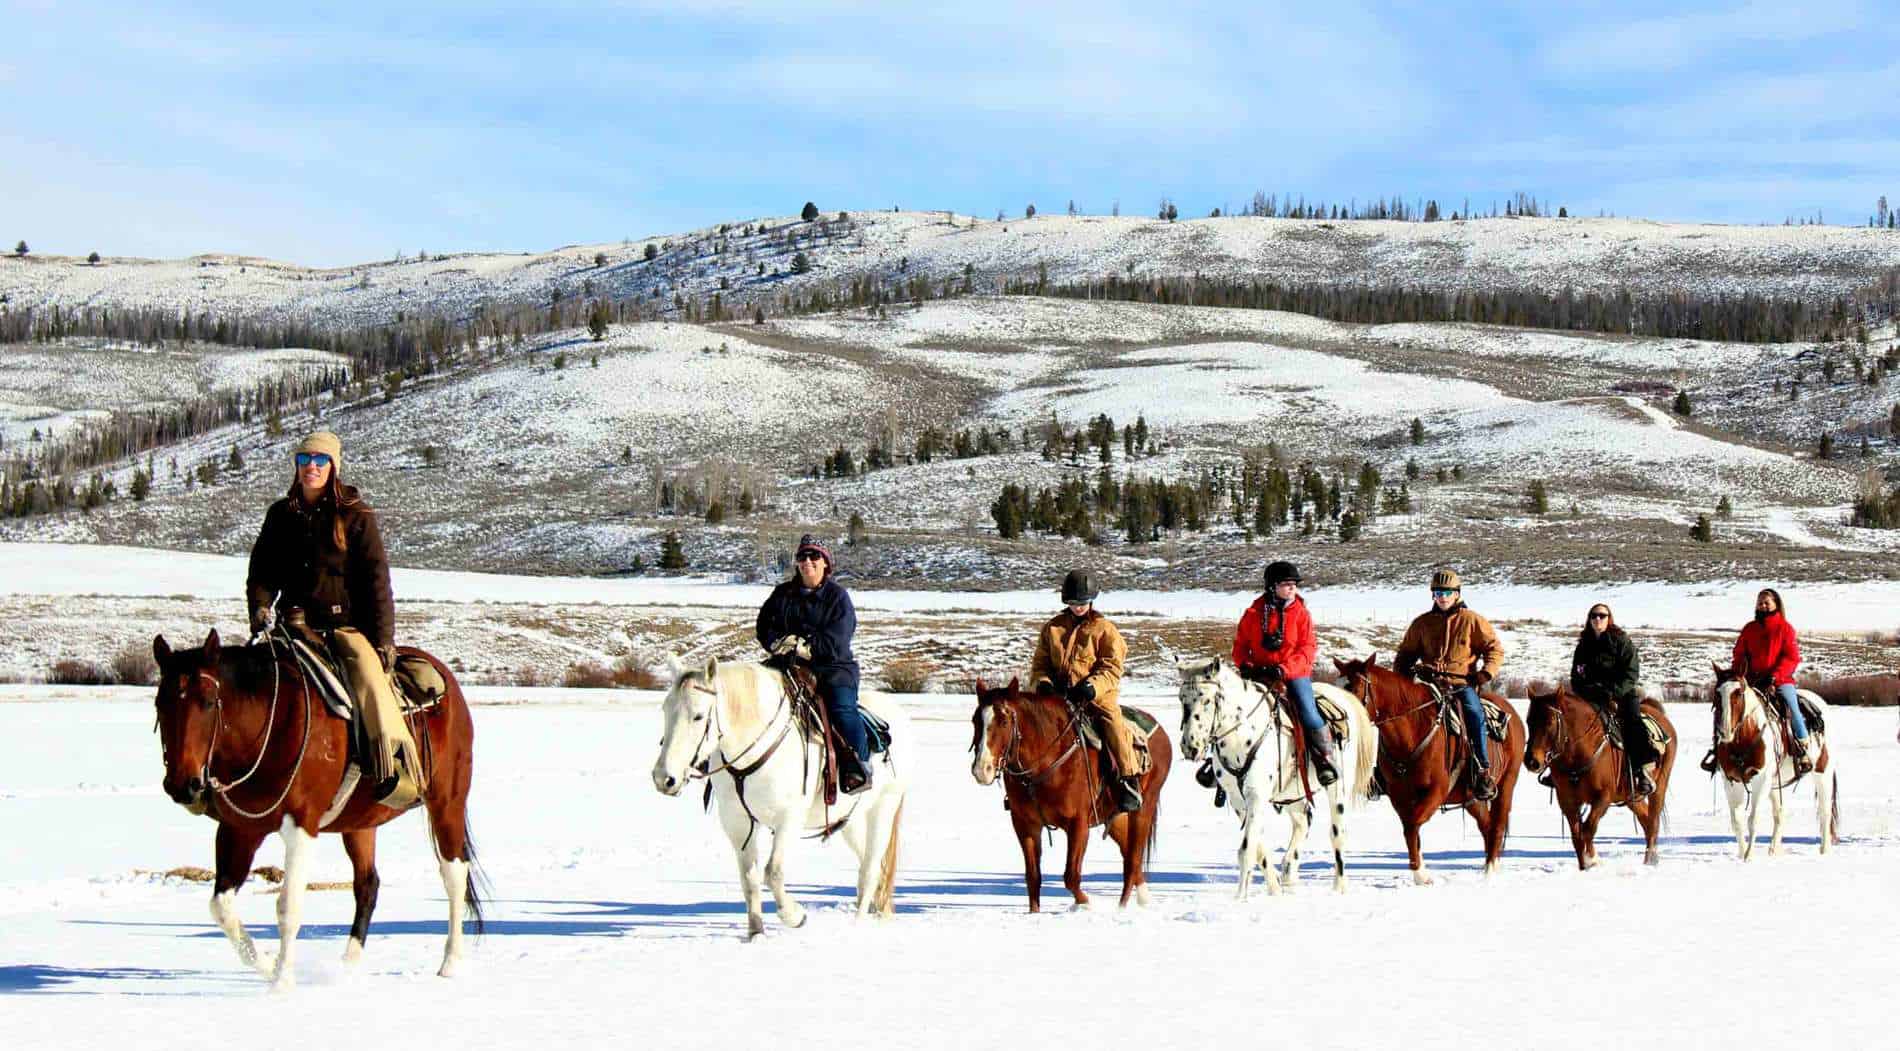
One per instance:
(823,617)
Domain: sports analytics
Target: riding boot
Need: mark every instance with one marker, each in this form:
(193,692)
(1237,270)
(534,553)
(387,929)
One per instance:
(1377,788)
(1127,794)
(1319,748)
(854,774)
(1204,776)
(1478,775)
(1708,761)
(1802,763)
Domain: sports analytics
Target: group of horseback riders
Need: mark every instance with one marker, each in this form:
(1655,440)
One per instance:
(320,554)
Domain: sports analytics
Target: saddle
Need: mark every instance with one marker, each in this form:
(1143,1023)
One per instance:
(419,687)
(814,719)
(1089,725)
(1495,722)
(1613,726)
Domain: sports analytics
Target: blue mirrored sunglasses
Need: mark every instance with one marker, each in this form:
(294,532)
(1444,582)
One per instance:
(309,459)
(1441,592)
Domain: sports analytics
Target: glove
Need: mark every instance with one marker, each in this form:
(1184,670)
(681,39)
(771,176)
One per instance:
(792,646)
(388,655)
(1272,672)
(1081,693)
(1480,678)
(1576,671)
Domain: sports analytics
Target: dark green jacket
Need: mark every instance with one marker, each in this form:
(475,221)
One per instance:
(1605,664)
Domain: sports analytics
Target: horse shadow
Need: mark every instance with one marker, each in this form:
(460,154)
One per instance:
(49,979)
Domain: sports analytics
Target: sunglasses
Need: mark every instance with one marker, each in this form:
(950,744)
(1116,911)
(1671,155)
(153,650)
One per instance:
(1442,592)
(313,459)
(1599,616)
(808,556)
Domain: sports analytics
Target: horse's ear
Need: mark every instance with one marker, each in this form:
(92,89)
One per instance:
(674,669)
(1339,666)
(1168,652)
(711,669)
(161,650)
(1720,672)
(211,647)
(1015,684)
(980,688)
(1373,661)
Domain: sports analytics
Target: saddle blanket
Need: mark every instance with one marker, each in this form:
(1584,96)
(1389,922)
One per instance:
(1143,724)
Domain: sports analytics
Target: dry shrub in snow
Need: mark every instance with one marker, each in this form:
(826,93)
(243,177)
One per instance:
(591,675)
(908,675)
(630,672)
(530,675)
(134,666)
(1856,689)
(71,671)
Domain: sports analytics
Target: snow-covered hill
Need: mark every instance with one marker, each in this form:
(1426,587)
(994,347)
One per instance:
(752,258)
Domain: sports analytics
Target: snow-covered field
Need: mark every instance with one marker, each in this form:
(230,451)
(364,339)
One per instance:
(614,913)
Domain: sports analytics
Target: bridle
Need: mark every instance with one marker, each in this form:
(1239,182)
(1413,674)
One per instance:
(1561,738)
(1007,762)
(223,788)
(1363,693)
(701,764)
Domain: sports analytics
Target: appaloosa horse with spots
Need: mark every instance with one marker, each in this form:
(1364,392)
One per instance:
(248,743)
(1421,756)
(1591,773)
(1052,779)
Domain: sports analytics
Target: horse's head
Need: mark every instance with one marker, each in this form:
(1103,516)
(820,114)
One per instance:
(992,727)
(1359,677)
(1545,722)
(190,704)
(1204,686)
(689,718)
(1729,696)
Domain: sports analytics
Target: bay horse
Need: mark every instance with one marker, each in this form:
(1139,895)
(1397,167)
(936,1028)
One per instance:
(1755,762)
(247,743)
(1590,772)
(1422,763)
(1052,779)
(730,723)
(1250,735)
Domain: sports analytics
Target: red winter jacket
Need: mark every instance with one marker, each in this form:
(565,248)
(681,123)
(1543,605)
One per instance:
(1768,646)
(1298,643)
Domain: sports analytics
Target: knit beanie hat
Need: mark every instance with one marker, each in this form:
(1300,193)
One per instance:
(324,442)
(810,543)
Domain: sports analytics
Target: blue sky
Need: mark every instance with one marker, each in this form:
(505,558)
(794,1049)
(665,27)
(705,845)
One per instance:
(341,132)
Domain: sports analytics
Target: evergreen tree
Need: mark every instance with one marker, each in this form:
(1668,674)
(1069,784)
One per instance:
(650,252)
(597,321)
(809,212)
(1411,469)
(1348,527)
(1702,532)
(716,512)
(1537,498)
(20,249)
(141,485)
(1418,432)
(1030,212)
(1724,509)
(235,462)
(1826,447)
(855,531)
(672,554)
(801,263)
(93,258)
(1682,406)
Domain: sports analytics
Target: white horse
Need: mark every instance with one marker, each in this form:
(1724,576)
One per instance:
(1749,753)
(1251,740)
(734,724)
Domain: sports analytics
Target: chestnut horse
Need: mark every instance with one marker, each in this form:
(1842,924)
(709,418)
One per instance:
(1754,759)
(1589,771)
(1422,763)
(248,743)
(1053,779)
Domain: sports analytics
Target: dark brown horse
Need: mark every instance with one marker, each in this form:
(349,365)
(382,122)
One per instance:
(1053,779)
(1588,770)
(1422,762)
(248,742)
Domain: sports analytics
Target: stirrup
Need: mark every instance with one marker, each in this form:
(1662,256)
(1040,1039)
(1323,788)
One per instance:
(1127,796)
(1708,761)
(1483,788)
(1323,765)
(1802,764)
(1220,797)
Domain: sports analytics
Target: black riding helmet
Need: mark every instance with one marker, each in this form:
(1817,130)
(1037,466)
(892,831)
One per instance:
(1279,571)
(1078,588)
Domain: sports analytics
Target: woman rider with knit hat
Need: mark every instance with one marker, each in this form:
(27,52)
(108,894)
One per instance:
(810,617)
(321,551)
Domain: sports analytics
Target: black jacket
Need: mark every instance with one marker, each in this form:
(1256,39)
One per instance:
(823,617)
(296,554)
(1609,665)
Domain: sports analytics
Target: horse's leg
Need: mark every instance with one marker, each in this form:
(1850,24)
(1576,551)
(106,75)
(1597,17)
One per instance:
(878,818)
(1029,837)
(1078,841)
(1410,823)
(361,847)
(1300,816)
(744,835)
(1573,817)
(1737,800)
(1339,837)
(297,844)
(1140,833)
(790,912)
(235,851)
(1824,806)
(1649,815)
(1597,810)
(1120,828)
(1777,812)
(447,799)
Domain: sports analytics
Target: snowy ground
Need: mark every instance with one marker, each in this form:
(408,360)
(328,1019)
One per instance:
(615,911)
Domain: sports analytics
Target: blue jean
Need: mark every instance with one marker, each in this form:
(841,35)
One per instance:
(841,703)
(1474,721)
(1791,700)
(1300,690)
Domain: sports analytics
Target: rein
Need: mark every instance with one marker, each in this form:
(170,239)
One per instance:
(223,788)
(1561,741)
(1403,767)
(1035,777)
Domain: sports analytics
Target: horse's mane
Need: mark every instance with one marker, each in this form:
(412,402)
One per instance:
(1048,712)
(245,668)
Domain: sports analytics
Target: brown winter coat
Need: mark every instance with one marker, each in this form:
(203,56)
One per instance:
(296,554)
(1073,650)
(1457,643)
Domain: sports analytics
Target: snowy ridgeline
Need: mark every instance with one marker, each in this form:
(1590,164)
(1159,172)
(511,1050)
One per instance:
(615,910)
(1491,254)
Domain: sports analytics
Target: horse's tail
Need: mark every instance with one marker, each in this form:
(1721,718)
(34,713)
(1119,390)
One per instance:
(1834,805)
(1365,746)
(883,902)
(477,879)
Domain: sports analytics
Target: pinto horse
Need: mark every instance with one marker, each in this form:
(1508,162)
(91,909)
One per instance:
(733,724)
(1754,760)
(247,743)
(1052,779)
(1588,771)
(1422,764)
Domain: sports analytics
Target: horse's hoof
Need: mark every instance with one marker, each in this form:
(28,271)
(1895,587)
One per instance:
(352,953)
(283,983)
(1421,878)
(1339,885)
(449,967)
(793,917)
(266,964)
(1081,905)
(1141,895)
